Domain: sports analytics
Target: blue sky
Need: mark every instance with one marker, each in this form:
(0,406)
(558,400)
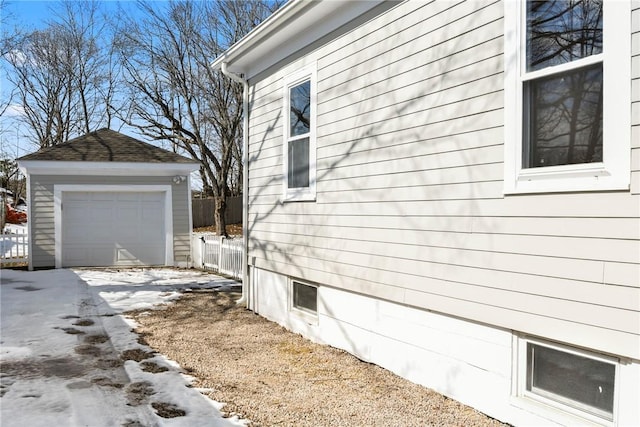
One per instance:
(28,16)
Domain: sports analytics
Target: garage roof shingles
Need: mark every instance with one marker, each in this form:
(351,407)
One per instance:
(106,145)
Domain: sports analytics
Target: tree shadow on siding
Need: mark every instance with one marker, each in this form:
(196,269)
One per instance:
(407,160)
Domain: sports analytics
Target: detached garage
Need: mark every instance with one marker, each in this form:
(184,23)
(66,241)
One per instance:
(106,199)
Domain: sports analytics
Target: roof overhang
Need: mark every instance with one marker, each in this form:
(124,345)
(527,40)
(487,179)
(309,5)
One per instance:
(49,167)
(294,26)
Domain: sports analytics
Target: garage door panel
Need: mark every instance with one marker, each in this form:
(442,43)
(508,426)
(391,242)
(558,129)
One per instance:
(80,196)
(128,214)
(138,256)
(129,197)
(100,215)
(110,228)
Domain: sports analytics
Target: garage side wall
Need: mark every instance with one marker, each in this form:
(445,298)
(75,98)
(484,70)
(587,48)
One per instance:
(42,220)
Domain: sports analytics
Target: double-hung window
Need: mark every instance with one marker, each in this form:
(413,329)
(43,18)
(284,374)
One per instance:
(299,136)
(567,95)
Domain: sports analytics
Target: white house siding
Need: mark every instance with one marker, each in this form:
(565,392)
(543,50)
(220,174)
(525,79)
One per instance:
(42,212)
(410,207)
(409,197)
(635,98)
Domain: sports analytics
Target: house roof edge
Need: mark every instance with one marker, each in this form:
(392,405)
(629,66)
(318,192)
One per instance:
(296,25)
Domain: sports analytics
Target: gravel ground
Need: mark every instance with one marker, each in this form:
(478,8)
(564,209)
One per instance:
(273,377)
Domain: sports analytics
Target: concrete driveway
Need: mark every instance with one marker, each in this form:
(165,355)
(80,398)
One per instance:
(69,358)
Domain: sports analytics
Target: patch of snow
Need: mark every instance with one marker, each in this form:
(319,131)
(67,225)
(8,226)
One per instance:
(47,381)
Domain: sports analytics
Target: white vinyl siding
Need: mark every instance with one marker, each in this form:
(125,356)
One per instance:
(42,211)
(635,99)
(410,177)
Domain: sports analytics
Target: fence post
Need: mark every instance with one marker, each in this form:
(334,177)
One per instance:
(202,251)
(220,250)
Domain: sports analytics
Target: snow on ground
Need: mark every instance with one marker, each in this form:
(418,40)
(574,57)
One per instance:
(62,337)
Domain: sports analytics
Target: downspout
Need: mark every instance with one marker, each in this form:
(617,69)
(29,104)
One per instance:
(245,182)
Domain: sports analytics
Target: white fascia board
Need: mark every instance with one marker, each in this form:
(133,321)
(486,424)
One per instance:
(50,167)
(298,24)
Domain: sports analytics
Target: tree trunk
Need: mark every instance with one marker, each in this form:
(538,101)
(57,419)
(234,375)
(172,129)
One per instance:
(219,215)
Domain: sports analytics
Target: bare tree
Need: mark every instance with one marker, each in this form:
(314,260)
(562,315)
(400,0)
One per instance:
(62,75)
(177,97)
(10,38)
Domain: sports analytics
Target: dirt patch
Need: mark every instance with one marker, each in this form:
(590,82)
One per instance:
(87,350)
(106,382)
(108,363)
(136,354)
(273,377)
(232,229)
(138,392)
(55,367)
(72,331)
(70,316)
(168,410)
(153,367)
(28,288)
(84,322)
(96,339)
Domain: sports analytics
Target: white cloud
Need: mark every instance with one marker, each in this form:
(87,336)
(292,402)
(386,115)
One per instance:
(16,56)
(14,110)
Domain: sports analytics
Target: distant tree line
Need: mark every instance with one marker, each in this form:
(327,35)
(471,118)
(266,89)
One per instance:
(87,69)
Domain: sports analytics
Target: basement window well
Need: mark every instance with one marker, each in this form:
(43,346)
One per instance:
(569,379)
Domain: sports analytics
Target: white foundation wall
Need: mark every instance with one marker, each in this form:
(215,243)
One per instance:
(467,361)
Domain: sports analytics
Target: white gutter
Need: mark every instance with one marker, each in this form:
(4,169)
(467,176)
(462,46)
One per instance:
(245,181)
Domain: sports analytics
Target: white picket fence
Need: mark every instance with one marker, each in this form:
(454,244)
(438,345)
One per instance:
(218,253)
(14,247)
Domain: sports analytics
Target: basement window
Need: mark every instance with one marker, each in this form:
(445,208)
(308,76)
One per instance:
(303,301)
(305,297)
(569,379)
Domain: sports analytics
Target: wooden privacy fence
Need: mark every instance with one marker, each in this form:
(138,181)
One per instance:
(218,253)
(202,211)
(14,247)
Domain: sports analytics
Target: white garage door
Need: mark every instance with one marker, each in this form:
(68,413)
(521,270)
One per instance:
(107,228)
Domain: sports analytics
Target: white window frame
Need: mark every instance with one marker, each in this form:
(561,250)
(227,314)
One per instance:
(306,315)
(555,409)
(300,76)
(613,173)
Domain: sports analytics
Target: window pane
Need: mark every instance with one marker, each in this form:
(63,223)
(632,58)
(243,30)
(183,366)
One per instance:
(300,104)
(562,31)
(565,119)
(565,375)
(298,173)
(305,297)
